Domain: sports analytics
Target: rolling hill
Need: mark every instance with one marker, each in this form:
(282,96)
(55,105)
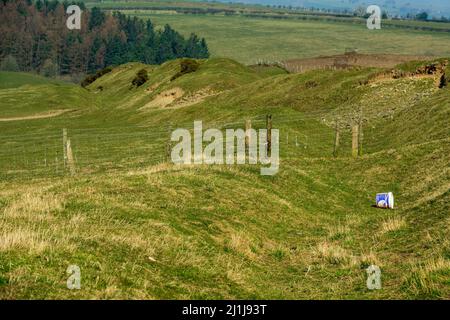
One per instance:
(141,227)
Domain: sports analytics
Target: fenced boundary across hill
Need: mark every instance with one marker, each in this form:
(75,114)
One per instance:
(73,151)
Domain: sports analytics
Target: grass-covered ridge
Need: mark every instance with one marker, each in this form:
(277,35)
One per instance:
(154,230)
(27,95)
(17,79)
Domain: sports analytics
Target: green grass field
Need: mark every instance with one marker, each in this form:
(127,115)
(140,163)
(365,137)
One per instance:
(285,34)
(141,227)
(248,40)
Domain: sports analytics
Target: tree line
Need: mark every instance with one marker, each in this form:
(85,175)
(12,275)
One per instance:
(35,38)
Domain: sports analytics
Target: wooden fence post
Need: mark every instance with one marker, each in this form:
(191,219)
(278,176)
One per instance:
(355,138)
(269,134)
(70,158)
(65,146)
(336,139)
(248,127)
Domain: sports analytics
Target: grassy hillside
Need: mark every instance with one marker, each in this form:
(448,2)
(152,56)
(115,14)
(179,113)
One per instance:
(140,227)
(27,95)
(17,79)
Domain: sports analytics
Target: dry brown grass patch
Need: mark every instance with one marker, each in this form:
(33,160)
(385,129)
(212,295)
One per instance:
(241,243)
(421,280)
(23,238)
(392,224)
(34,206)
(338,231)
(334,254)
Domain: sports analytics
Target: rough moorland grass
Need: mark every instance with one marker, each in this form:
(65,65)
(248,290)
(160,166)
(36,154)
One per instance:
(217,232)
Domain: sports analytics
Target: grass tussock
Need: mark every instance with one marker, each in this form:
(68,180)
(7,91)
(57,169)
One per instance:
(429,279)
(34,206)
(392,224)
(19,238)
(334,254)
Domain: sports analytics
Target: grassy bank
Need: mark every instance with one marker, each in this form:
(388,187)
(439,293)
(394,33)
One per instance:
(140,227)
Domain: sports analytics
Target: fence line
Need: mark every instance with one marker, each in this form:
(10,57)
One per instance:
(78,150)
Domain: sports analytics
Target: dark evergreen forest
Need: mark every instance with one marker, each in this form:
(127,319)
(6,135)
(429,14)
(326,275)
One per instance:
(34,37)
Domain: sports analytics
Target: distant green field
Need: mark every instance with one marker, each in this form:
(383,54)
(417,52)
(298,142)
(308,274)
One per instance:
(249,33)
(251,39)
(17,79)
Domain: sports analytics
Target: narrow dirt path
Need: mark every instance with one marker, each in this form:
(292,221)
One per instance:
(37,116)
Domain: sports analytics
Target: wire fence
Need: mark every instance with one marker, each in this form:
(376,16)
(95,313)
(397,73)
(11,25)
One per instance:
(42,154)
